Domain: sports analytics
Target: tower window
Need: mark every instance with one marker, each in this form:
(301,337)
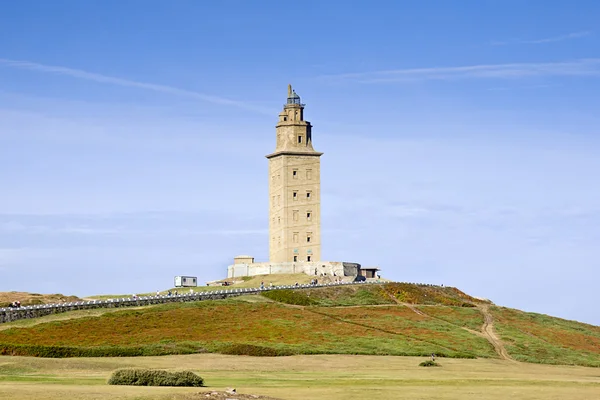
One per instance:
(308,237)
(279,220)
(299,139)
(309,174)
(295,214)
(285,118)
(295,195)
(308,216)
(308,194)
(308,258)
(295,174)
(295,237)
(295,258)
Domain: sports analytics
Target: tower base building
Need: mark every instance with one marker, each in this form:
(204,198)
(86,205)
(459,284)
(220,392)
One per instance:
(294,205)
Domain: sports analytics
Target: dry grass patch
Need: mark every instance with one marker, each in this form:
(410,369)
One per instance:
(29,299)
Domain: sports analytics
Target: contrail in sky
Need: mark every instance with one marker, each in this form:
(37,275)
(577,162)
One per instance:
(90,76)
(584,67)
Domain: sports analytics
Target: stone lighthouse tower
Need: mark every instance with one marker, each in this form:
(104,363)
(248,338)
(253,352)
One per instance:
(294,188)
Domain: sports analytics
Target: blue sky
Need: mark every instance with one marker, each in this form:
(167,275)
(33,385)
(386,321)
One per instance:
(461,141)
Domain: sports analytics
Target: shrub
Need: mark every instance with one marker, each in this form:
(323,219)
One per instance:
(429,363)
(153,377)
(242,349)
(158,349)
(288,297)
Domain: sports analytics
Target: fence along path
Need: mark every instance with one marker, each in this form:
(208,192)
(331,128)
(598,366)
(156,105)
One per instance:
(36,311)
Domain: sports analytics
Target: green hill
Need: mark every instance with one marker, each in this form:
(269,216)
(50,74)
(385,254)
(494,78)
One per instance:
(375,319)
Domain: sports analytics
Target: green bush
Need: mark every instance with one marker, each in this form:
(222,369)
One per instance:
(242,349)
(158,349)
(154,377)
(429,363)
(289,297)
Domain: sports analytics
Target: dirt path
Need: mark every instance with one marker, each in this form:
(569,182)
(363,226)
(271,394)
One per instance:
(488,331)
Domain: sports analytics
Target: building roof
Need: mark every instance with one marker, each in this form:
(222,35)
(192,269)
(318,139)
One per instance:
(242,256)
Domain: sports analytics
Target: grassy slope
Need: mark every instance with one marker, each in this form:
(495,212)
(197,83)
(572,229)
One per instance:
(215,325)
(461,316)
(371,322)
(540,338)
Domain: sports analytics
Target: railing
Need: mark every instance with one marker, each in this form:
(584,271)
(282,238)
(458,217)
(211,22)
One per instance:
(35,311)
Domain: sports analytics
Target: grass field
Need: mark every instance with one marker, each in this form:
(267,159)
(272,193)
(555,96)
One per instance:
(301,378)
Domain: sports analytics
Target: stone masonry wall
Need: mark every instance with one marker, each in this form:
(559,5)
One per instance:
(330,268)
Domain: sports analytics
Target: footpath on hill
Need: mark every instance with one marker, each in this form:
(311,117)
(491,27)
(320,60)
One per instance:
(488,331)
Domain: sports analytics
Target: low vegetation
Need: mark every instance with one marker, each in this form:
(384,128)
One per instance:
(461,316)
(62,351)
(369,294)
(293,297)
(352,295)
(539,338)
(242,349)
(428,294)
(429,363)
(153,377)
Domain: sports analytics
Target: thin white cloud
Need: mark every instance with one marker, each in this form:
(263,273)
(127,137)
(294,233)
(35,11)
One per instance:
(583,67)
(17,227)
(90,76)
(573,35)
(553,39)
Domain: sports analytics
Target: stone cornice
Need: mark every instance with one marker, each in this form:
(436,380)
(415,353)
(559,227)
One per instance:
(294,153)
